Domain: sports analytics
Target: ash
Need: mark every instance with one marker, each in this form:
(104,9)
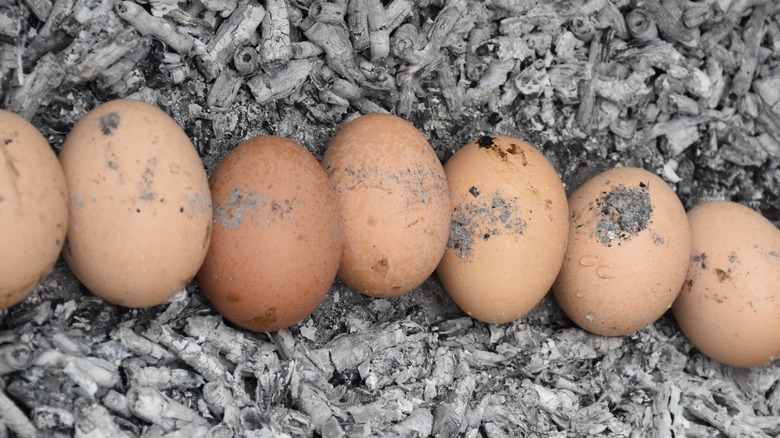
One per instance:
(622,214)
(480,220)
(687,89)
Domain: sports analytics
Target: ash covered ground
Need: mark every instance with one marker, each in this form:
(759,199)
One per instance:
(687,89)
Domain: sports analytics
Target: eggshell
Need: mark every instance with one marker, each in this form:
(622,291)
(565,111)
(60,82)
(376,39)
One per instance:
(629,242)
(277,235)
(394,203)
(140,209)
(729,306)
(33,208)
(508,228)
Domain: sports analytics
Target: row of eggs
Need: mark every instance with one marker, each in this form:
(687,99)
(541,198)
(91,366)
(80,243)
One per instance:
(271,229)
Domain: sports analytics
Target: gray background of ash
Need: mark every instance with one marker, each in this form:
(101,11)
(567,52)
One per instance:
(687,89)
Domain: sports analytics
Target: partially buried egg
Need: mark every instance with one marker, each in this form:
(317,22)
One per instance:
(629,243)
(277,235)
(394,204)
(508,228)
(729,306)
(140,208)
(33,208)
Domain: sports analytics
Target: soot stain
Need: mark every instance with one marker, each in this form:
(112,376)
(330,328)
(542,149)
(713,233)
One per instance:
(482,220)
(622,213)
(231,213)
(423,184)
(517,150)
(722,275)
(145,189)
(268,317)
(237,206)
(207,237)
(108,123)
(9,163)
(485,141)
(489,143)
(701,259)
(381,266)
(280,211)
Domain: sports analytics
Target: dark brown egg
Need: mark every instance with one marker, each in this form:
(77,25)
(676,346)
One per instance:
(277,235)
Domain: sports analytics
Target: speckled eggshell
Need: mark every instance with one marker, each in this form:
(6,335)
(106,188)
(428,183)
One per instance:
(277,235)
(729,306)
(33,208)
(140,208)
(508,228)
(394,203)
(629,242)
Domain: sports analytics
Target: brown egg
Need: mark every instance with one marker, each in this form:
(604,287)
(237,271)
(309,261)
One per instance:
(729,306)
(394,204)
(140,209)
(277,235)
(508,229)
(33,208)
(629,243)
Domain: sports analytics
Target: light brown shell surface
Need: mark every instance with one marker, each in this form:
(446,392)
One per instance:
(629,243)
(33,208)
(508,228)
(394,204)
(729,306)
(140,208)
(277,235)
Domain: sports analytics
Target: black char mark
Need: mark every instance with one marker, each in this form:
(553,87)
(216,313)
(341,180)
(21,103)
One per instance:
(108,123)
(485,141)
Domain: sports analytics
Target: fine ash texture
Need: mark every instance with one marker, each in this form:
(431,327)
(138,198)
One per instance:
(482,219)
(622,213)
(687,89)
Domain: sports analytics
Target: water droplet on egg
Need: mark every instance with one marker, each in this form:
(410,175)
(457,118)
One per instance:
(589,260)
(603,271)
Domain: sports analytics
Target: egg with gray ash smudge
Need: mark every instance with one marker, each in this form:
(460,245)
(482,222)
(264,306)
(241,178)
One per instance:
(277,236)
(627,256)
(140,208)
(393,199)
(508,228)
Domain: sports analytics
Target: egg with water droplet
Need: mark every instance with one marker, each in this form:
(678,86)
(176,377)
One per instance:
(627,253)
